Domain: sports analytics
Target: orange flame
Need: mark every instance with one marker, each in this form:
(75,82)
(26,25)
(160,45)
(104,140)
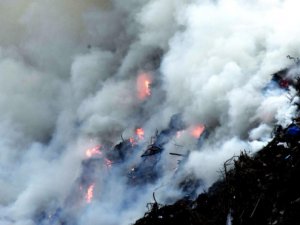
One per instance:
(144,81)
(89,193)
(140,133)
(93,151)
(197,130)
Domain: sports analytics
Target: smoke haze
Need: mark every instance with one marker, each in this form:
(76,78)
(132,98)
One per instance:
(68,71)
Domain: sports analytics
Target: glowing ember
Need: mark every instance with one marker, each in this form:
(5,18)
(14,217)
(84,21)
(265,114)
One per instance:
(147,86)
(197,130)
(179,133)
(93,151)
(89,194)
(140,133)
(144,81)
(108,163)
(132,141)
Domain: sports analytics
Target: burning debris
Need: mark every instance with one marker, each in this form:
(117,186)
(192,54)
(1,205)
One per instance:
(92,152)
(116,67)
(262,189)
(101,160)
(144,81)
(140,133)
(90,193)
(258,189)
(197,130)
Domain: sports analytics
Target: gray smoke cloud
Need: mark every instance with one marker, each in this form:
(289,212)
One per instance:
(68,71)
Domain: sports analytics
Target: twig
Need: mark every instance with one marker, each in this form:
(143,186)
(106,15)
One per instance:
(154,197)
(177,154)
(255,207)
(296,60)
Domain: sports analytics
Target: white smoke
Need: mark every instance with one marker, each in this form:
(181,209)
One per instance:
(68,72)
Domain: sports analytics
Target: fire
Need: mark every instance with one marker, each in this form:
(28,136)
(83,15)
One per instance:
(197,130)
(144,81)
(179,133)
(93,151)
(140,133)
(89,193)
(108,163)
(132,141)
(147,86)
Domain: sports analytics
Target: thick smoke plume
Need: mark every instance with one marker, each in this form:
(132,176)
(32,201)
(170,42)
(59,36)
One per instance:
(68,73)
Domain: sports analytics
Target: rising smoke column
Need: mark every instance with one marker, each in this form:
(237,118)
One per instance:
(68,73)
